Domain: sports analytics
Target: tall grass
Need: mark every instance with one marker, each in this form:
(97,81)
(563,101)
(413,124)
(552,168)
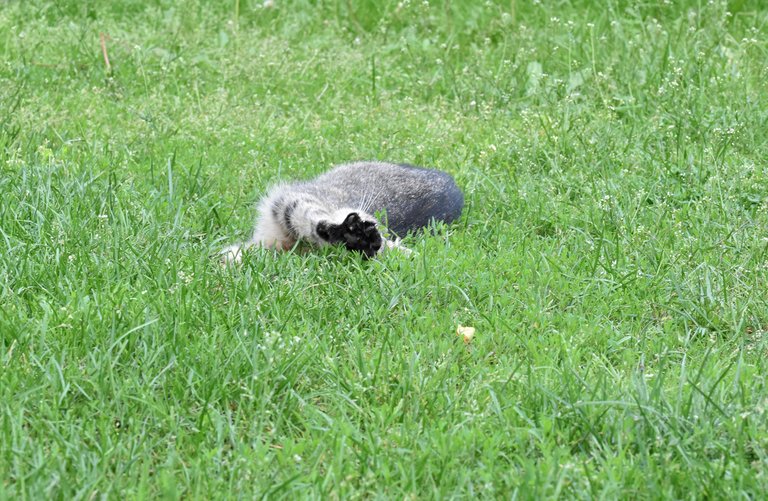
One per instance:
(611,256)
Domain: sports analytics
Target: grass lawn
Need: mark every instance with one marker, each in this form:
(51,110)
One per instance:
(611,255)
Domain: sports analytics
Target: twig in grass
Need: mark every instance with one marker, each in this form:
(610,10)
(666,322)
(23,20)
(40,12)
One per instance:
(103,40)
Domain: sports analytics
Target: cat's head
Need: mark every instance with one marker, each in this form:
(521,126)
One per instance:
(357,230)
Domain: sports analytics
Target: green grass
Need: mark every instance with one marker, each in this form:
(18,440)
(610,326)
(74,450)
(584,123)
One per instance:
(612,252)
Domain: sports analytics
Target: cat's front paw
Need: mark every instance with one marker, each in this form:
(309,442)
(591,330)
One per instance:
(355,233)
(396,245)
(232,254)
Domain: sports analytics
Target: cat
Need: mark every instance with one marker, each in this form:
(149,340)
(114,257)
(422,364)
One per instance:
(339,207)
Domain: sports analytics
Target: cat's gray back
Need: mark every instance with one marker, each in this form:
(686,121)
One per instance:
(410,196)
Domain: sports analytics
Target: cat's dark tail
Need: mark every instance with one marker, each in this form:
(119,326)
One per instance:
(440,200)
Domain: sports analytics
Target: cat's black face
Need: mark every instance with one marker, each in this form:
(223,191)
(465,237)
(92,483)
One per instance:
(355,233)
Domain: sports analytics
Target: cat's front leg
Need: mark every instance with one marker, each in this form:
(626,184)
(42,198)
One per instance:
(396,245)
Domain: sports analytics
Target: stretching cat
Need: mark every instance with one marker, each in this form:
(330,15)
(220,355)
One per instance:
(338,207)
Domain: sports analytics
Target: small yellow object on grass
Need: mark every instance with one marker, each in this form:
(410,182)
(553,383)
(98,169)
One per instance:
(466,333)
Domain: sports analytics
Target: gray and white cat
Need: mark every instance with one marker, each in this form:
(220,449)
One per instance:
(338,207)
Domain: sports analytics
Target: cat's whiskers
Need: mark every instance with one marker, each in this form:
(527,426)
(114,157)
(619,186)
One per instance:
(370,199)
(363,201)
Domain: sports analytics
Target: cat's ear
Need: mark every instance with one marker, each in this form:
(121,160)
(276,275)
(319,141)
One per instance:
(351,219)
(369,228)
